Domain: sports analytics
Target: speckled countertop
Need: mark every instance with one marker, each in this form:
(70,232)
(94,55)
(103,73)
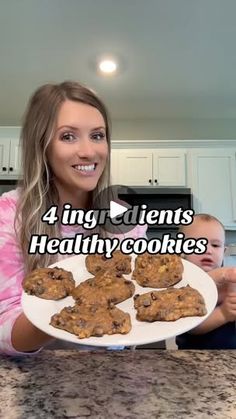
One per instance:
(128,384)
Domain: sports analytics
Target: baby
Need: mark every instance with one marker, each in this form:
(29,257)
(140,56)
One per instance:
(218,330)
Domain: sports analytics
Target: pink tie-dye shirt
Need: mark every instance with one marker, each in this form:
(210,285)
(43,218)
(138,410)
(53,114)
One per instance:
(12,267)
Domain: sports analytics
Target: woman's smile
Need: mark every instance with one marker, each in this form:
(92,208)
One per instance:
(85,169)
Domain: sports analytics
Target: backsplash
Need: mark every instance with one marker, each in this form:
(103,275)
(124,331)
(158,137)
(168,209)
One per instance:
(230,236)
(230,254)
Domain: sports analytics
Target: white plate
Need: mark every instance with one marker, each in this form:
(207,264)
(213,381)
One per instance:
(39,311)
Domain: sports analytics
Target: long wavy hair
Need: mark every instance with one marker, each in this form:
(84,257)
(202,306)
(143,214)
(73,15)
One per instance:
(37,190)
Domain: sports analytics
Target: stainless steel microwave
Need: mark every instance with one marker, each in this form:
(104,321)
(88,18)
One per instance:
(7,185)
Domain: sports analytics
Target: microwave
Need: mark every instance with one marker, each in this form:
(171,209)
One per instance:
(7,185)
(159,198)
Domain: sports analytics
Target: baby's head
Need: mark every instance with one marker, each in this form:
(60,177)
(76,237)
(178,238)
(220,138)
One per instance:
(209,227)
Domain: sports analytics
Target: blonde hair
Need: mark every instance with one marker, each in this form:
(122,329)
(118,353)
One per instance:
(203,217)
(37,190)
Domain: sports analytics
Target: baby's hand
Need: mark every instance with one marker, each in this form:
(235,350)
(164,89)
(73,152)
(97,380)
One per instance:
(223,275)
(224,278)
(228,307)
(229,274)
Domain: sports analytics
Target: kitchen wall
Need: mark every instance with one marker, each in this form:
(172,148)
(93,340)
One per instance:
(163,129)
(9,132)
(174,129)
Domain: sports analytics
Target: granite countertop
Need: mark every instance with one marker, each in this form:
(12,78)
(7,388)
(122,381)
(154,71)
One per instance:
(128,384)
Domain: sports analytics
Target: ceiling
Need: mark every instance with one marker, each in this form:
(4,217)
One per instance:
(177,57)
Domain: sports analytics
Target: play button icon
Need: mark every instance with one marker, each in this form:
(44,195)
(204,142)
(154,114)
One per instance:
(114,203)
(116,209)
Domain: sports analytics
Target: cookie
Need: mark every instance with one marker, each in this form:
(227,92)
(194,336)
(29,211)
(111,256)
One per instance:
(118,262)
(106,287)
(49,283)
(157,271)
(169,305)
(92,320)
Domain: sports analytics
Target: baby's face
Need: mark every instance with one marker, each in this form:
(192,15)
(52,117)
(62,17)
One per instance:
(214,233)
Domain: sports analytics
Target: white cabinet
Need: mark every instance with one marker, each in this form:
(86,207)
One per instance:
(9,157)
(214,183)
(135,167)
(114,167)
(169,168)
(144,167)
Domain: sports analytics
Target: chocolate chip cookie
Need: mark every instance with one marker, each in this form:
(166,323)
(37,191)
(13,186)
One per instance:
(118,262)
(157,271)
(169,305)
(49,283)
(92,320)
(105,287)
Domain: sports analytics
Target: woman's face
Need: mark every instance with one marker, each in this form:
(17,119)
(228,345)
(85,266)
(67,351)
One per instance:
(78,152)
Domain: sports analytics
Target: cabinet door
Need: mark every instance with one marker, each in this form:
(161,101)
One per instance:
(169,167)
(15,158)
(4,156)
(135,167)
(214,184)
(115,155)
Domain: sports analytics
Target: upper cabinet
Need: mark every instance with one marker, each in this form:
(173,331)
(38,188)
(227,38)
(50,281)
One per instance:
(214,183)
(9,157)
(209,171)
(169,167)
(145,167)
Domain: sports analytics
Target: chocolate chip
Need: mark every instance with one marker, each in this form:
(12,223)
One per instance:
(93,309)
(153,297)
(69,309)
(39,282)
(81,323)
(116,324)
(98,331)
(145,281)
(146,303)
(39,290)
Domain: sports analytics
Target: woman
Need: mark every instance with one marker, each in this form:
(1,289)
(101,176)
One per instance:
(66,159)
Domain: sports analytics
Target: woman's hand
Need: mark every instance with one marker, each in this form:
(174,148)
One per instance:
(26,337)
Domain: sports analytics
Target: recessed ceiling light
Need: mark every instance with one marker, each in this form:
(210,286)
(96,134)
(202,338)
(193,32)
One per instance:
(107,66)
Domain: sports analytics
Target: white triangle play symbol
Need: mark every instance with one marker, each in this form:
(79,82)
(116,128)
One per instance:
(116,209)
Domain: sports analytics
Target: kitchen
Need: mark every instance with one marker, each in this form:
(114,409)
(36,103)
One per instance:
(173,109)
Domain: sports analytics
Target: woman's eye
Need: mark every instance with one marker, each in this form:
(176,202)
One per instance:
(67,136)
(98,136)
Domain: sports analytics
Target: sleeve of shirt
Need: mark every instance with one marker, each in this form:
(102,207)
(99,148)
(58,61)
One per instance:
(11,275)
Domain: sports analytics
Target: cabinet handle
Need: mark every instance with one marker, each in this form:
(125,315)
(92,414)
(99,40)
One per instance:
(11,169)
(156,181)
(4,169)
(150,181)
